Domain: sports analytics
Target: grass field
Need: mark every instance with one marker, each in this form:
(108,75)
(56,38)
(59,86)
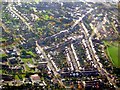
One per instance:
(0,71)
(112,51)
(2,39)
(25,60)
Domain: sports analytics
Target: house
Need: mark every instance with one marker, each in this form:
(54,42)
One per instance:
(16,68)
(12,60)
(4,66)
(7,77)
(31,65)
(35,78)
(42,65)
(12,52)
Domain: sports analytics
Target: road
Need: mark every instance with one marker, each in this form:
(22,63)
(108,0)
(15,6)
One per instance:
(75,23)
(93,52)
(72,58)
(70,64)
(4,27)
(48,61)
(81,18)
(24,21)
(72,54)
(8,31)
(76,57)
(98,28)
(95,57)
(50,65)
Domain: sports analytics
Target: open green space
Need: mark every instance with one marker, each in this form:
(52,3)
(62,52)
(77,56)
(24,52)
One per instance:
(2,39)
(0,71)
(25,52)
(2,55)
(25,60)
(31,53)
(19,76)
(112,51)
(16,77)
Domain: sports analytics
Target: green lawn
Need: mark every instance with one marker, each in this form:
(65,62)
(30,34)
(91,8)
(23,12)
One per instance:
(19,76)
(16,77)
(28,52)
(2,55)
(0,71)
(27,68)
(31,53)
(25,60)
(2,39)
(112,51)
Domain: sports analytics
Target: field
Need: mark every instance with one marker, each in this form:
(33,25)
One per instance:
(112,51)
(2,39)
(0,71)
(27,60)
